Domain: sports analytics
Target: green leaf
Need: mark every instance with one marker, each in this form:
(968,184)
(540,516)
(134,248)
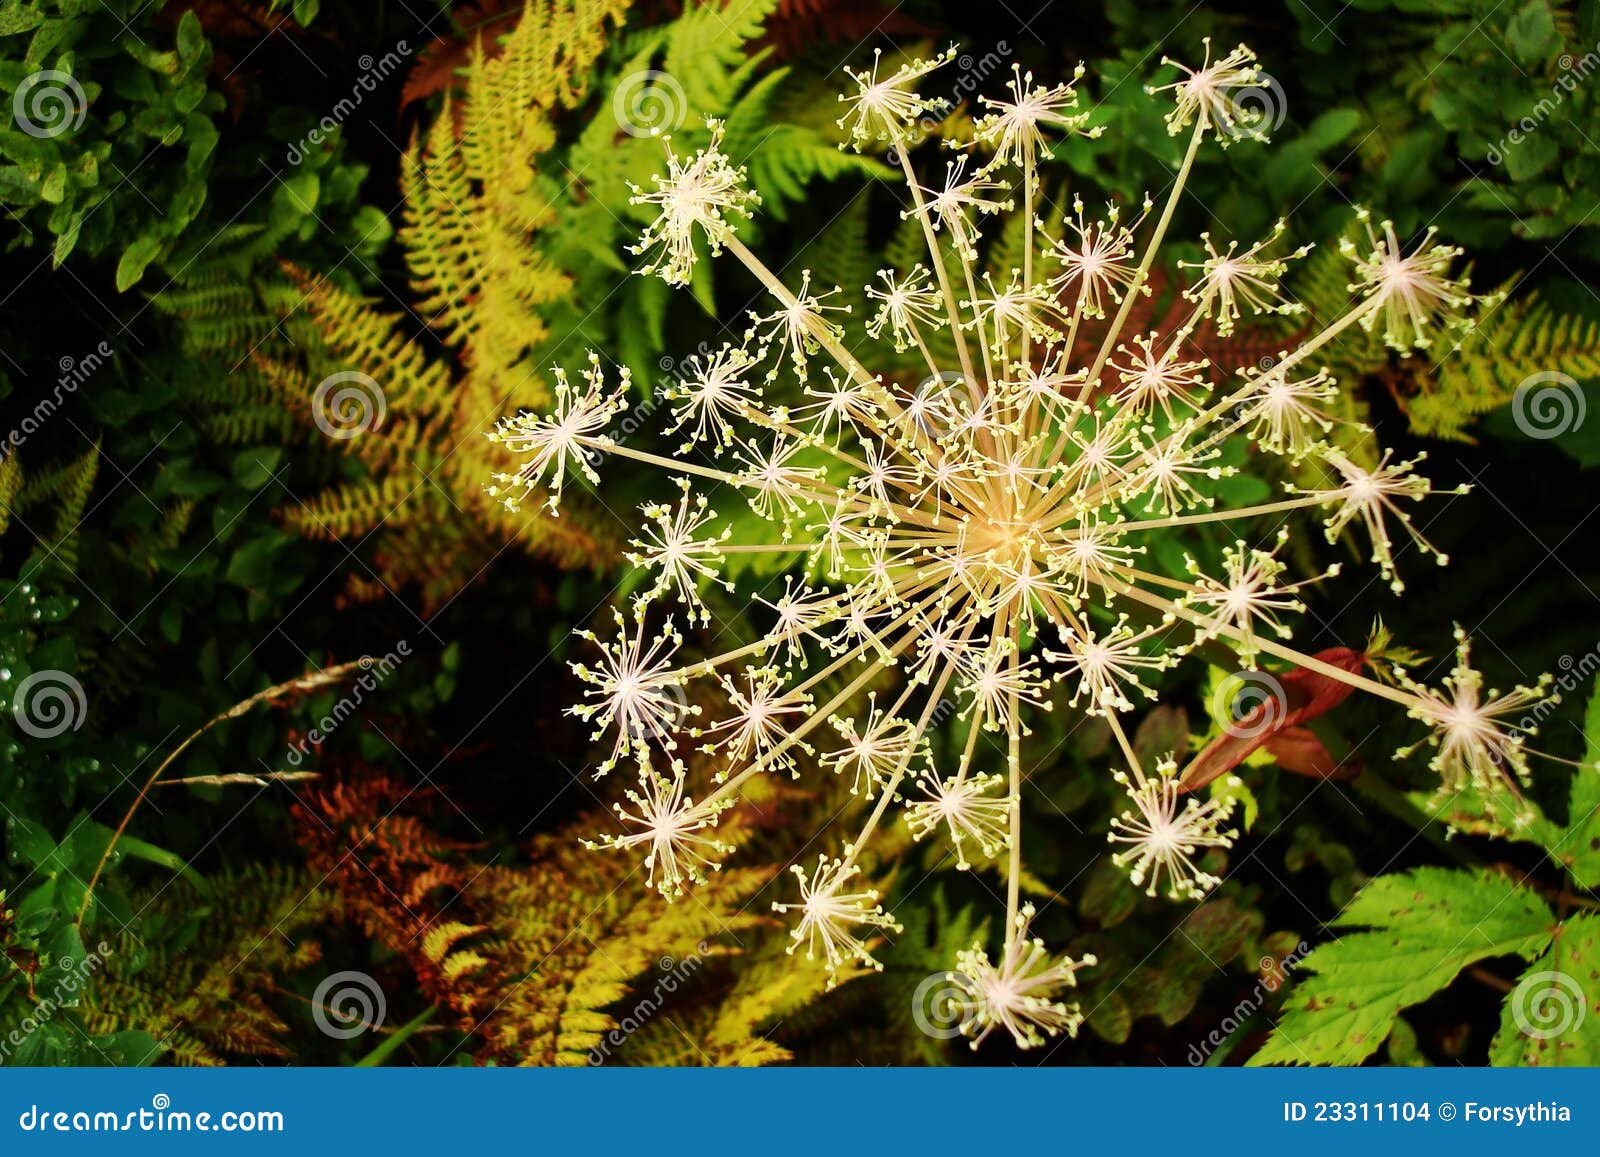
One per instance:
(299,194)
(1552,1017)
(255,562)
(63,953)
(1579,847)
(1424,928)
(253,469)
(1332,127)
(29,840)
(98,836)
(17,18)
(1531,33)
(191,37)
(139,849)
(125,1049)
(135,259)
(54,188)
(1531,155)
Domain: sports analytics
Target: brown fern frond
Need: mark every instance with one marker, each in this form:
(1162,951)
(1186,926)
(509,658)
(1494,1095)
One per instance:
(528,957)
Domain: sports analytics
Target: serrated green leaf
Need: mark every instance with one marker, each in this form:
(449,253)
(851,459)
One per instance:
(1579,847)
(1423,928)
(1552,1017)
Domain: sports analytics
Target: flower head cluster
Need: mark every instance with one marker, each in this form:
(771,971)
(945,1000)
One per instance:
(1018,993)
(1476,734)
(1164,831)
(701,196)
(969,542)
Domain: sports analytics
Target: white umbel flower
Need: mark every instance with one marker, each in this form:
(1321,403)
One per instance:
(1478,735)
(1163,832)
(1232,279)
(1412,294)
(671,546)
(888,109)
(1208,94)
(1014,128)
(930,526)
(1372,495)
(634,691)
(705,196)
(559,443)
(831,914)
(713,393)
(671,829)
(1019,994)
(968,809)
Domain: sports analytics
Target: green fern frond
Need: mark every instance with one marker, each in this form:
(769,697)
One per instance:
(1520,338)
(203,974)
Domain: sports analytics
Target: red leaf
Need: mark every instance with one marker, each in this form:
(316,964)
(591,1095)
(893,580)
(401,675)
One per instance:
(1298,697)
(1298,750)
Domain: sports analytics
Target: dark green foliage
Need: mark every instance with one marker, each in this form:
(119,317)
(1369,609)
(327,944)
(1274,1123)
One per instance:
(144,554)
